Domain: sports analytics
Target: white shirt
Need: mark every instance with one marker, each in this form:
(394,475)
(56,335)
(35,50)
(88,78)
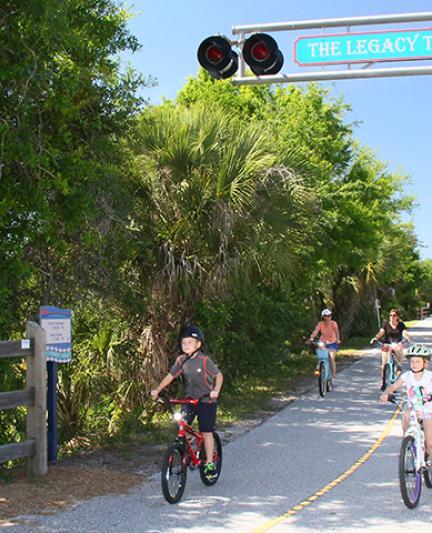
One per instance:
(416,388)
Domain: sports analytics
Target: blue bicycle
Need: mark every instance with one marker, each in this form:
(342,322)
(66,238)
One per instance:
(323,369)
(392,369)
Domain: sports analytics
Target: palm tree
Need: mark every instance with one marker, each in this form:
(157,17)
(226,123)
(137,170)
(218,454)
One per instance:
(216,203)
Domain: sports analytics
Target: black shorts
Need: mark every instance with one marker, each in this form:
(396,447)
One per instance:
(206,415)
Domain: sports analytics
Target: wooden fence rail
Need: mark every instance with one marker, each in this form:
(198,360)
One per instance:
(33,396)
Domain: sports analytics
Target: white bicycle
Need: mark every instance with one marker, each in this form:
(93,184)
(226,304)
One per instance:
(414,461)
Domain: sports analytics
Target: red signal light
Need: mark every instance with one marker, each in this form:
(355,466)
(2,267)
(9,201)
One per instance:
(260,51)
(214,54)
(262,54)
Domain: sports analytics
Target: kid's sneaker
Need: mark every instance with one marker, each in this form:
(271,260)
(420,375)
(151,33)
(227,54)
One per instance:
(210,470)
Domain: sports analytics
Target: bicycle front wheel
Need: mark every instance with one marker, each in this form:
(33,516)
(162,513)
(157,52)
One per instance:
(329,384)
(386,376)
(174,472)
(217,460)
(427,475)
(409,478)
(322,380)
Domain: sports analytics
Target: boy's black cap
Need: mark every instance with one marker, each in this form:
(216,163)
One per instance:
(192,331)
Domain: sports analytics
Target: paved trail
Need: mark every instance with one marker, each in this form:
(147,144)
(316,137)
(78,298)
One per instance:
(275,467)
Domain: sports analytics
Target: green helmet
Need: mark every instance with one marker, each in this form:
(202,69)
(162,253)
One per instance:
(419,350)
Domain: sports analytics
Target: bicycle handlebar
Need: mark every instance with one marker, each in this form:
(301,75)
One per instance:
(186,401)
(396,398)
(317,343)
(376,341)
(168,402)
(163,398)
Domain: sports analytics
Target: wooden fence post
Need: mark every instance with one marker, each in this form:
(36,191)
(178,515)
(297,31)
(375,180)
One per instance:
(36,415)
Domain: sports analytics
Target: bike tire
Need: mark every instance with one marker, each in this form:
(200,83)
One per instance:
(427,474)
(409,478)
(322,380)
(386,376)
(174,472)
(217,459)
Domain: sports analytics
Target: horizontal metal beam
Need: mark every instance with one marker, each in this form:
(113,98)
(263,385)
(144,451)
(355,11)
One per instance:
(334,23)
(334,75)
(8,452)
(13,349)
(17,398)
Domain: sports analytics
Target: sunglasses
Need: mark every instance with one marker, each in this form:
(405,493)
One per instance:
(393,314)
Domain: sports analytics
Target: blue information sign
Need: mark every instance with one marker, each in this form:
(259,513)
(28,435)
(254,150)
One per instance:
(394,45)
(57,324)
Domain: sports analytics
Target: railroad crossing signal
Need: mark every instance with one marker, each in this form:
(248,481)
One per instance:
(261,52)
(217,57)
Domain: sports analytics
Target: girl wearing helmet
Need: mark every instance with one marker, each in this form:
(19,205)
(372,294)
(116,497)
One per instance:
(328,332)
(418,383)
(203,382)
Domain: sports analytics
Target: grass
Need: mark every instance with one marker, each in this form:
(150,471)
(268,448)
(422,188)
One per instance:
(352,346)
(244,398)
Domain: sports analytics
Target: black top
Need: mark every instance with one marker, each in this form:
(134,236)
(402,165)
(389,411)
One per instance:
(393,334)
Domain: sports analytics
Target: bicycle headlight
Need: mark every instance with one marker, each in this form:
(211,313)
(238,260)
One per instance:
(177,416)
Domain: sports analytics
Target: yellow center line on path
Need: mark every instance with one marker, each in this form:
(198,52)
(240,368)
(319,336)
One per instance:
(305,503)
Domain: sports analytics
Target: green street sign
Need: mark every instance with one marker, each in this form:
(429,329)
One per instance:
(364,47)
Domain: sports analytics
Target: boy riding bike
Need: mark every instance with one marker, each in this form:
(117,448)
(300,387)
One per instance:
(203,382)
(418,383)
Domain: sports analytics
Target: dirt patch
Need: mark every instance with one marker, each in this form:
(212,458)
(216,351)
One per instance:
(104,472)
(62,487)
(74,480)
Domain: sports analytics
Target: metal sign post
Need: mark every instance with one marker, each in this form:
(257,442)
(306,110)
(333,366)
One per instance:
(377,306)
(365,48)
(57,324)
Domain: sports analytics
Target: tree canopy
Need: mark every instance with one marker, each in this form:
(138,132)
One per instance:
(244,209)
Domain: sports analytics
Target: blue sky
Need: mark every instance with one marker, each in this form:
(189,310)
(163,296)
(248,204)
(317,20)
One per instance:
(394,114)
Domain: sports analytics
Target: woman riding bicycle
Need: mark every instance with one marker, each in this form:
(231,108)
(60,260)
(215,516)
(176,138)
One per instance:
(418,383)
(329,333)
(392,331)
(203,382)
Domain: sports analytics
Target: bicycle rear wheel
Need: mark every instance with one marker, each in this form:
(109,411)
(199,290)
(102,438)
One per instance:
(174,472)
(322,380)
(217,460)
(409,478)
(386,376)
(427,474)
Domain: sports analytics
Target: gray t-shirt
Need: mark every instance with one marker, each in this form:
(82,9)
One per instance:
(199,372)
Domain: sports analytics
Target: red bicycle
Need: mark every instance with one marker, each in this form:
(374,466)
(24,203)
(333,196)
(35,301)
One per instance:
(187,451)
